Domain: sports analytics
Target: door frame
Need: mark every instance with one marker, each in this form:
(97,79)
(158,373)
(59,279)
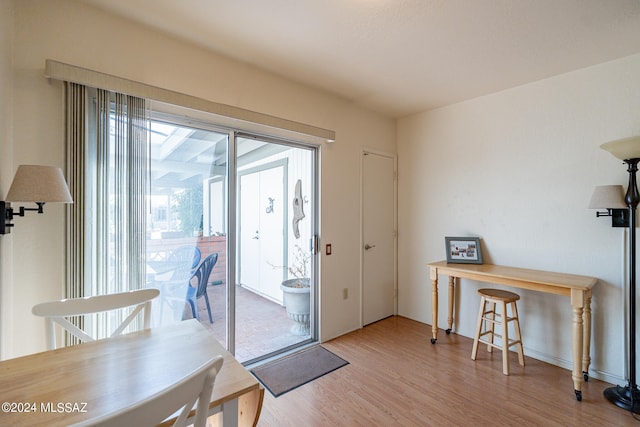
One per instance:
(313,213)
(364,151)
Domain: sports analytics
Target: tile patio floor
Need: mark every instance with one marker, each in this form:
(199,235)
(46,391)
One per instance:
(262,326)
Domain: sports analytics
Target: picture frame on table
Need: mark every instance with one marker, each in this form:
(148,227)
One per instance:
(463,250)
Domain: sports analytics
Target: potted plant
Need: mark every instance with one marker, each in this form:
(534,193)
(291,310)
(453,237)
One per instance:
(296,293)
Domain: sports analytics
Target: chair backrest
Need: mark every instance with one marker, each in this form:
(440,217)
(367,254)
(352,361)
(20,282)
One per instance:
(202,274)
(59,312)
(186,258)
(179,397)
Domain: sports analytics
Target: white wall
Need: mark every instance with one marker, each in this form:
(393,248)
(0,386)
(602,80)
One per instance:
(78,34)
(517,168)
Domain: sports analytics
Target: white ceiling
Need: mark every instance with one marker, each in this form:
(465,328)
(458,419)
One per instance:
(400,57)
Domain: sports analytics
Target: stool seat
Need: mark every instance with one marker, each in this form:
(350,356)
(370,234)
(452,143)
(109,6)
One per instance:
(499,294)
(488,317)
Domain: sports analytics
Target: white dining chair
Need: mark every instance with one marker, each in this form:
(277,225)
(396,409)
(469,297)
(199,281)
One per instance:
(180,397)
(58,312)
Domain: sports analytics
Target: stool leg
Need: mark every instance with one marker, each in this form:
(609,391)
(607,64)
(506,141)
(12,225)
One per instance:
(492,326)
(474,351)
(516,318)
(505,340)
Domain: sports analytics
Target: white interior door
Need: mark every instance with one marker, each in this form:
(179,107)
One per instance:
(262,204)
(271,210)
(249,230)
(379,237)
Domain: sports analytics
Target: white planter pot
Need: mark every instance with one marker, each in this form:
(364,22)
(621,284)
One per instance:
(296,299)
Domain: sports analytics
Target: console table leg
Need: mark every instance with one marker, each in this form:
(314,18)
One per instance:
(452,293)
(577,303)
(434,305)
(586,337)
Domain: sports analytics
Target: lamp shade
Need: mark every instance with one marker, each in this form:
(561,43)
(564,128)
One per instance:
(627,148)
(607,197)
(39,184)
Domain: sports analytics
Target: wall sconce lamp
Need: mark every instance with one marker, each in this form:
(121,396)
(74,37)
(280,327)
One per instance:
(611,198)
(38,184)
(628,150)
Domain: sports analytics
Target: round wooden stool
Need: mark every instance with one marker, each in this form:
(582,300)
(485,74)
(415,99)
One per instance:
(489,299)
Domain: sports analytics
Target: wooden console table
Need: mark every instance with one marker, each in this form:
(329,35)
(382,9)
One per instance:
(578,288)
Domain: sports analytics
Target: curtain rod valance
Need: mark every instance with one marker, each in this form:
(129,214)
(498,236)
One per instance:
(70,73)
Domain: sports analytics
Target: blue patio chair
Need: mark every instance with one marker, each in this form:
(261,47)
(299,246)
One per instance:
(198,285)
(185,259)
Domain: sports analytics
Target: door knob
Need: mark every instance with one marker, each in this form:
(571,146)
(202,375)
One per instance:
(368,246)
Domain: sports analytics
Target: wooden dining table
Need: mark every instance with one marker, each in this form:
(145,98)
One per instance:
(72,384)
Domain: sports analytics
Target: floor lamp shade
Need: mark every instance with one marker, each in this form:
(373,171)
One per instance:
(626,148)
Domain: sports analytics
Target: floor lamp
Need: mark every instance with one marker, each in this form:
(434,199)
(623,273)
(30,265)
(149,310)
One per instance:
(628,150)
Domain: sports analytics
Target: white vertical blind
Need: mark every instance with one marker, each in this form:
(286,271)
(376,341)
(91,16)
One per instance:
(75,116)
(101,284)
(107,163)
(122,186)
(138,173)
(75,100)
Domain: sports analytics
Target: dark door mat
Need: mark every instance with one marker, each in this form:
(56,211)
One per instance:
(290,372)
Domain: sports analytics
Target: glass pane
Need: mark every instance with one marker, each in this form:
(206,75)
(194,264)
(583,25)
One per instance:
(187,228)
(275,225)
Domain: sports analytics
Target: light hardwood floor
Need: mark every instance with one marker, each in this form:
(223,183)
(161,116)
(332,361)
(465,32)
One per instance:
(397,378)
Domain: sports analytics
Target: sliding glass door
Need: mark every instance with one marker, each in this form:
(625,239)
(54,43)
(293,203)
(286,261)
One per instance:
(246,205)
(275,212)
